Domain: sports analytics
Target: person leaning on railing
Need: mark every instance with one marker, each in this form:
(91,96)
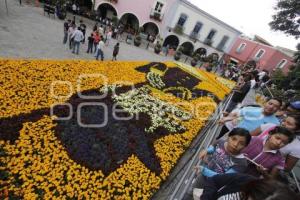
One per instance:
(291,152)
(251,117)
(264,152)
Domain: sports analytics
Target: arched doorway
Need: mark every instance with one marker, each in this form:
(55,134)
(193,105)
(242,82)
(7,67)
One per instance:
(188,48)
(106,11)
(130,23)
(213,57)
(151,28)
(172,41)
(201,51)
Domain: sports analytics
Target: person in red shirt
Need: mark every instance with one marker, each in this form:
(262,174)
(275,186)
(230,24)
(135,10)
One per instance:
(97,37)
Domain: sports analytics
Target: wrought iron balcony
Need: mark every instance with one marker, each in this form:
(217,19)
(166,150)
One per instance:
(220,48)
(194,35)
(178,29)
(208,42)
(156,15)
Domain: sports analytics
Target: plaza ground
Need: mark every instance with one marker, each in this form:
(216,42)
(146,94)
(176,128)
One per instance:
(26,33)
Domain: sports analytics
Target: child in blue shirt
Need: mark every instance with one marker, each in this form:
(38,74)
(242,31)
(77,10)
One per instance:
(225,156)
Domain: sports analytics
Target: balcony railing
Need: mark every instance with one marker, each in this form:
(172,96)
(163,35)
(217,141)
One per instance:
(208,42)
(194,35)
(156,15)
(220,48)
(178,29)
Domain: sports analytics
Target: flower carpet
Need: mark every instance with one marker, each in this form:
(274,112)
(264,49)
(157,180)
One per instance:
(98,130)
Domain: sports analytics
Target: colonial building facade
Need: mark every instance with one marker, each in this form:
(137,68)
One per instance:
(195,29)
(178,22)
(264,54)
(149,14)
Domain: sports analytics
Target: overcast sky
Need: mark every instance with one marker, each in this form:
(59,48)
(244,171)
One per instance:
(249,16)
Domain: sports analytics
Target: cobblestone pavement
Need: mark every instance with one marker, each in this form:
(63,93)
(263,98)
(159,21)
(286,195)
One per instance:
(26,33)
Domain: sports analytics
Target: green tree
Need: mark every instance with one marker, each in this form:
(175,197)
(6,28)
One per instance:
(297,55)
(287,17)
(287,20)
(278,77)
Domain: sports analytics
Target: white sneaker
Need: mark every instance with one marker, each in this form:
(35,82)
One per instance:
(197,192)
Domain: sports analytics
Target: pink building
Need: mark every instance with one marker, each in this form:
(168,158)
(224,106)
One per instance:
(266,56)
(150,14)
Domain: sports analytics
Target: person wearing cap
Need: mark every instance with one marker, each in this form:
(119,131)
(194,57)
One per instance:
(251,117)
(294,108)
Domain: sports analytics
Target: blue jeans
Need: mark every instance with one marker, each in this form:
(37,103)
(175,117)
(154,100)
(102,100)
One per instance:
(99,52)
(95,47)
(76,46)
(65,38)
(90,48)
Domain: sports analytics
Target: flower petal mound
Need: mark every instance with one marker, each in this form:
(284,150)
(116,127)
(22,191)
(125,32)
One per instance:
(98,130)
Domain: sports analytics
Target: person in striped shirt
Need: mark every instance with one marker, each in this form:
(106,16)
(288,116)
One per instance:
(264,154)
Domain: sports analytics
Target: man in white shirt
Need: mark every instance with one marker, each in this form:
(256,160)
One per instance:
(100,49)
(74,8)
(261,74)
(101,30)
(78,37)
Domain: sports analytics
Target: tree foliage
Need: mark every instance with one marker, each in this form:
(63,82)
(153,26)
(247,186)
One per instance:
(287,20)
(287,17)
(297,55)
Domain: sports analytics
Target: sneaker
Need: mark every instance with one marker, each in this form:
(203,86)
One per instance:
(197,192)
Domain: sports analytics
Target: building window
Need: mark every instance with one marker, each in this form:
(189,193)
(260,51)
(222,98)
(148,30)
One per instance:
(158,7)
(281,64)
(211,35)
(259,54)
(241,48)
(182,19)
(197,27)
(223,42)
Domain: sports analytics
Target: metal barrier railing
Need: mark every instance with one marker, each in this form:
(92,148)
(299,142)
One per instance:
(271,95)
(260,89)
(296,180)
(210,132)
(188,177)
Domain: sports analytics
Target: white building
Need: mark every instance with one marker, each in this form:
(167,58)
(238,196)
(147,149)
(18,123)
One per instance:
(178,22)
(193,28)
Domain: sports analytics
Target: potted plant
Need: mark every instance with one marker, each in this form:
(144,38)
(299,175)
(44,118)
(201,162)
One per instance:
(115,20)
(178,53)
(209,67)
(157,48)
(137,40)
(178,29)
(195,59)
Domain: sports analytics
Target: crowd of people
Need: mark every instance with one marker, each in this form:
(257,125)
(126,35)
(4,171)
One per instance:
(248,78)
(98,39)
(257,146)
(233,72)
